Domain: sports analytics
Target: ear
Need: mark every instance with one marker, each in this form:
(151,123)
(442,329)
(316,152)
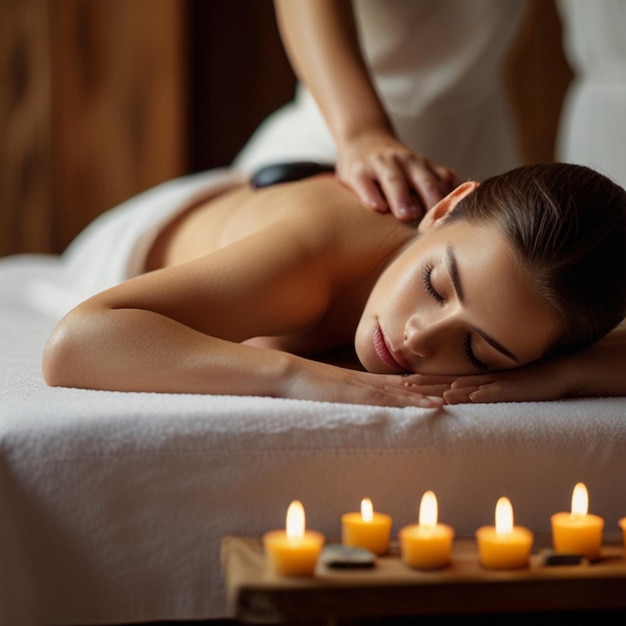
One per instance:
(440,211)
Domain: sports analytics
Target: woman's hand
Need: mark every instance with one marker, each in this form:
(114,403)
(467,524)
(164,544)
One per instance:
(540,381)
(311,380)
(389,176)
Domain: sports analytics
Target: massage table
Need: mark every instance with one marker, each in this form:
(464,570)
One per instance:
(113,505)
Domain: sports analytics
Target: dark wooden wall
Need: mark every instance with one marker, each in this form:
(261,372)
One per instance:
(92,110)
(102,99)
(240,75)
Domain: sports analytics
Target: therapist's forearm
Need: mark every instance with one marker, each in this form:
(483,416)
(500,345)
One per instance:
(320,38)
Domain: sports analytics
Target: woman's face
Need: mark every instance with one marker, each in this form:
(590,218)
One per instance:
(455,301)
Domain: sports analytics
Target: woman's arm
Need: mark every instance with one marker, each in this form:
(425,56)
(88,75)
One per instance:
(179,330)
(321,40)
(598,371)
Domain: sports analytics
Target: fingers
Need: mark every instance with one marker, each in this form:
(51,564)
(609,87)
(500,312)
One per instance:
(382,185)
(420,380)
(400,391)
(500,389)
(396,188)
(491,392)
(460,396)
(427,181)
(429,390)
(369,192)
(409,390)
(356,387)
(393,398)
(464,382)
(433,389)
(409,188)
(398,181)
(472,389)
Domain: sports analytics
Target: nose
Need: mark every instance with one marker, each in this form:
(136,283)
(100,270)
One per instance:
(427,337)
(418,338)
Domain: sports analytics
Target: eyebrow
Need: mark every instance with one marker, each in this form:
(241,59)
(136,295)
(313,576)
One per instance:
(453,269)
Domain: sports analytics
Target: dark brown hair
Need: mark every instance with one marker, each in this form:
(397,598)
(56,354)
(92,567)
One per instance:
(567,223)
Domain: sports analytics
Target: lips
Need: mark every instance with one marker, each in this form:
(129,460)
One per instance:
(383,352)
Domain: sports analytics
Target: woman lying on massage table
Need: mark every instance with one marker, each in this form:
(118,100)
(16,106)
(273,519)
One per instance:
(495,296)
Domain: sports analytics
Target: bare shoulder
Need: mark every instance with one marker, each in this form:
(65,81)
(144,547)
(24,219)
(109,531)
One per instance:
(320,212)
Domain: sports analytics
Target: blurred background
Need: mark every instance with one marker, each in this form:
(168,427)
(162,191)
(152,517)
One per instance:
(102,99)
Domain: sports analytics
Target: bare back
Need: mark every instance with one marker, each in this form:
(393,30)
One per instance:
(350,241)
(322,203)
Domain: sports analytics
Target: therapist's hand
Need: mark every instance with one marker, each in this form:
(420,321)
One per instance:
(388,176)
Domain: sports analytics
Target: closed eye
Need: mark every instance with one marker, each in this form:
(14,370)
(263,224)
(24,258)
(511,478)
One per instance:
(428,285)
(470,356)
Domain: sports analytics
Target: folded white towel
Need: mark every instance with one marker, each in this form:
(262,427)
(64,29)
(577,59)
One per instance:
(114,246)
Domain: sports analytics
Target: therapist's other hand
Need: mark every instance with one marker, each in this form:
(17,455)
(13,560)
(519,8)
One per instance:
(388,176)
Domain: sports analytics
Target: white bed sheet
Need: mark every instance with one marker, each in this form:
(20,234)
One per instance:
(113,505)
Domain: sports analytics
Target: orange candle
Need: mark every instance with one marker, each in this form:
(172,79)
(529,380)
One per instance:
(367,529)
(504,546)
(293,551)
(578,532)
(426,545)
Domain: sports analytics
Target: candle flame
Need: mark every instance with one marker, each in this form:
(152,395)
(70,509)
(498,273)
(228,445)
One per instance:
(428,510)
(295,521)
(580,501)
(504,517)
(367,510)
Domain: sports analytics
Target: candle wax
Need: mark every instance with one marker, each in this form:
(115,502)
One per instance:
(426,547)
(373,535)
(293,556)
(578,534)
(504,551)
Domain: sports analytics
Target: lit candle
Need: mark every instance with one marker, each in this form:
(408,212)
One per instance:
(293,551)
(367,529)
(622,525)
(426,545)
(504,546)
(578,532)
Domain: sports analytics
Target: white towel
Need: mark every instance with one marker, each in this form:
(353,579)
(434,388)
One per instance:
(114,246)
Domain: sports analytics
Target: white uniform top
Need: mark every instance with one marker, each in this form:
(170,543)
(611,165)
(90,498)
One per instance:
(593,124)
(438,66)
